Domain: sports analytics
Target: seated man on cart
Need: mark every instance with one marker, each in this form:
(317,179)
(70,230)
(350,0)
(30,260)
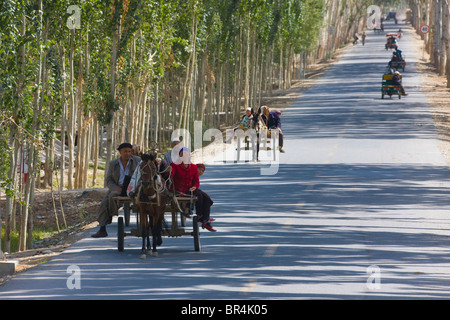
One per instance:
(395,57)
(186,181)
(117,180)
(396,81)
(272,121)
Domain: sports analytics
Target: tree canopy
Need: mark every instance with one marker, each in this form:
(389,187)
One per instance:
(77,78)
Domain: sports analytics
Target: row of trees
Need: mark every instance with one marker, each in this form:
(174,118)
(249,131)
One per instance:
(78,78)
(435,14)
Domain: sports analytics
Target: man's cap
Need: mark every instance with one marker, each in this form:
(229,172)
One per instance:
(125,145)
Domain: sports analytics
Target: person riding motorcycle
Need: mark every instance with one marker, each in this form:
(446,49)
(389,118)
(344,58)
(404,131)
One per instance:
(396,80)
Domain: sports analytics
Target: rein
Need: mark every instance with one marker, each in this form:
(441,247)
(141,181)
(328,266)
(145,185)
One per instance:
(159,188)
(152,181)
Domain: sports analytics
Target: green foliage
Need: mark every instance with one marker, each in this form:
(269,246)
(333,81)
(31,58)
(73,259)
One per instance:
(164,42)
(14,240)
(155,40)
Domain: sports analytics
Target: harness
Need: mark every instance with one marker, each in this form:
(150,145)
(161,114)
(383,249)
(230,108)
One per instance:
(159,185)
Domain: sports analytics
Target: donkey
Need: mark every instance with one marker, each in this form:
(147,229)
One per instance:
(152,205)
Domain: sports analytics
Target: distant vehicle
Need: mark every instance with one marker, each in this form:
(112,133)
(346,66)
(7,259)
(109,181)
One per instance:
(391,42)
(395,65)
(389,88)
(391,15)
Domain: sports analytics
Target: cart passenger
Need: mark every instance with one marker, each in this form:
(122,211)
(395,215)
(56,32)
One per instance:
(395,57)
(246,119)
(245,123)
(186,181)
(396,81)
(168,155)
(201,169)
(272,121)
(399,54)
(117,180)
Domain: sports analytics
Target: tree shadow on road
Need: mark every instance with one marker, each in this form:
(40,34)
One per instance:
(314,235)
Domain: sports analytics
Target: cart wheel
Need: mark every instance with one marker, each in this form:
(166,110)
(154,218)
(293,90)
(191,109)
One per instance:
(126,213)
(196,234)
(120,234)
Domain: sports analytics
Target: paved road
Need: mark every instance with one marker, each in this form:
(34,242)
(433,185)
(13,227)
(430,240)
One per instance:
(357,210)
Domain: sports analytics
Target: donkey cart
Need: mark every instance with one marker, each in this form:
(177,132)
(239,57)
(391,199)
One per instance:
(177,226)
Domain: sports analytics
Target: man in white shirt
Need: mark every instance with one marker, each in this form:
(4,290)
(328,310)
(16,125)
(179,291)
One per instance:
(117,179)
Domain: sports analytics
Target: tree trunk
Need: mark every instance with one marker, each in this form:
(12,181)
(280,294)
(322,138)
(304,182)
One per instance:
(29,186)
(112,99)
(71,127)
(446,19)
(12,174)
(62,163)
(95,146)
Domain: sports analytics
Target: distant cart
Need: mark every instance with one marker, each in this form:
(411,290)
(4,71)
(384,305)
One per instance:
(391,15)
(397,65)
(389,88)
(391,42)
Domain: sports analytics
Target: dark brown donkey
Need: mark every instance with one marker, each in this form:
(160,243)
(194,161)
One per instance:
(152,204)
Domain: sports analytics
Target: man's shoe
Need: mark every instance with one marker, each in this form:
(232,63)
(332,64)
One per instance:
(100,234)
(208,227)
(282,150)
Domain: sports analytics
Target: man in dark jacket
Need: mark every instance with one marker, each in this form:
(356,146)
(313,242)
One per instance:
(396,81)
(117,179)
(273,121)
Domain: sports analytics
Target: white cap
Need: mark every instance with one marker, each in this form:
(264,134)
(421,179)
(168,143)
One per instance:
(175,140)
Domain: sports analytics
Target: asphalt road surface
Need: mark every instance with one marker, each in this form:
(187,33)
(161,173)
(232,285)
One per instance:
(357,209)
